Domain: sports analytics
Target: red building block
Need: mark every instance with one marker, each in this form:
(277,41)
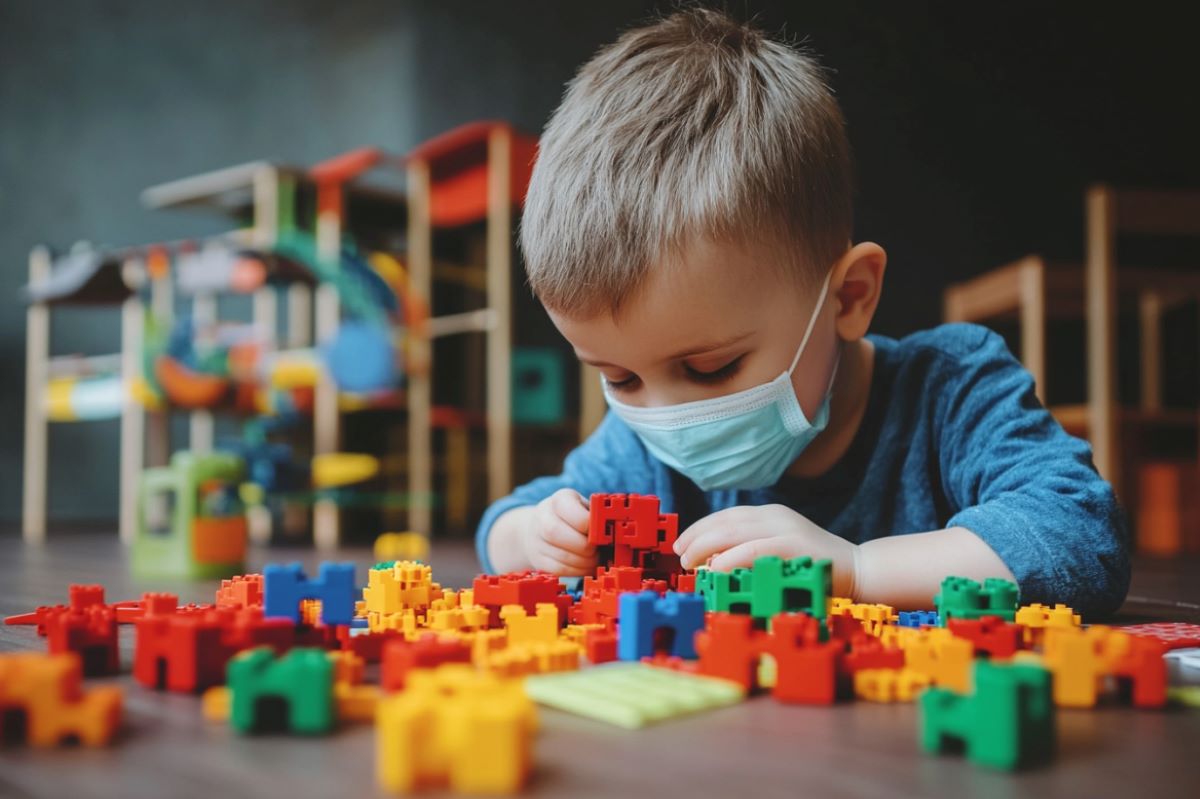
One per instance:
(526,589)
(600,646)
(86,626)
(1142,672)
(868,652)
(807,671)
(182,652)
(244,591)
(428,651)
(989,634)
(730,648)
(599,602)
(685,583)
(367,645)
(628,530)
(1174,634)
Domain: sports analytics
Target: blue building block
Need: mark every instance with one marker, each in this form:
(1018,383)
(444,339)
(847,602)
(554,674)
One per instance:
(644,614)
(285,586)
(918,618)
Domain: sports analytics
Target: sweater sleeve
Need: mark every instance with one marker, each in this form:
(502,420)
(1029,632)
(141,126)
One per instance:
(611,460)
(1016,479)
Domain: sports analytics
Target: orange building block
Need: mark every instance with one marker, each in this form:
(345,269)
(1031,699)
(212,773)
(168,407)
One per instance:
(47,690)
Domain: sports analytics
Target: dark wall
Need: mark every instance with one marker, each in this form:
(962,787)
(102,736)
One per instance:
(975,132)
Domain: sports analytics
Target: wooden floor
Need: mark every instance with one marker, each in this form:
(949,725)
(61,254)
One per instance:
(758,748)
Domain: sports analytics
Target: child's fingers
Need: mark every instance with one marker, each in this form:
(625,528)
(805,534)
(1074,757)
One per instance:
(571,507)
(557,533)
(746,553)
(567,563)
(721,520)
(715,539)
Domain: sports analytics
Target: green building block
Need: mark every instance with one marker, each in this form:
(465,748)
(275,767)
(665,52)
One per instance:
(1007,723)
(963,598)
(302,679)
(772,586)
(631,695)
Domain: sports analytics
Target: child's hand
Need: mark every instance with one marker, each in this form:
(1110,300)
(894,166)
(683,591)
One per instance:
(737,536)
(556,541)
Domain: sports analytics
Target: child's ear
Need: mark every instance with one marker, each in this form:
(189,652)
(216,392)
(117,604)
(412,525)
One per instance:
(857,284)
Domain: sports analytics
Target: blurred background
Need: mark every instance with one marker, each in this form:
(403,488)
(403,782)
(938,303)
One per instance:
(977,133)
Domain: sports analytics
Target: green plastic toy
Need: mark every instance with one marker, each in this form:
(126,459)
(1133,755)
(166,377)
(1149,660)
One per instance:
(201,533)
(302,679)
(771,586)
(1007,723)
(963,598)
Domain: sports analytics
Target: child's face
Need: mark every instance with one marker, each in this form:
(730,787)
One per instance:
(714,322)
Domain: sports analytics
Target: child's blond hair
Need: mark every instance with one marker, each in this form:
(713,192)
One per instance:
(695,127)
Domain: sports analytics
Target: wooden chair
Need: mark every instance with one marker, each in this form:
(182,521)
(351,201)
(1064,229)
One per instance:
(1034,290)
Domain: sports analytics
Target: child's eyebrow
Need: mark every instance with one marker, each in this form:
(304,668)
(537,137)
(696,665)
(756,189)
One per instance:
(710,346)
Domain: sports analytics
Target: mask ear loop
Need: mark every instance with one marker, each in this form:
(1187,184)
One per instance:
(812,322)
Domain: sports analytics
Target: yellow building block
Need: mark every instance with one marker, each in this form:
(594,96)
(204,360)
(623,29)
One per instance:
(522,628)
(450,619)
(519,660)
(49,690)
(889,685)
(401,546)
(577,633)
(1036,618)
(456,727)
(944,658)
(874,618)
(404,621)
(402,586)
(1077,658)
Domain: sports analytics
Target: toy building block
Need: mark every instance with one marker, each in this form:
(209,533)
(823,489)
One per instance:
(401,546)
(631,695)
(46,692)
(871,617)
(963,598)
(629,530)
(869,653)
(807,671)
(1076,658)
(285,586)
(536,657)
(85,625)
(600,600)
(889,685)
(1035,618)
(427,652)
(527,589)
(918,618)
(364,643)
(524,628)
(685,583)
(298,684)
(942,657)
(989,634)
(1137,664)
(243,591)
(651,624)
(183,653)
(462,619)
(455,727)
(772,586)
(730,649)
(1006,723)
(600,646)
(401,585)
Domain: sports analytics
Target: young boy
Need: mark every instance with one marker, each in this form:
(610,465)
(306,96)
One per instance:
(688,229)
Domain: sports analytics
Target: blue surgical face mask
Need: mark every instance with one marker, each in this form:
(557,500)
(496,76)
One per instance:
(744,440)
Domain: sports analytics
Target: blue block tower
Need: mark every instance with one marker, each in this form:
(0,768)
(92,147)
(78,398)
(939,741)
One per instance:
(644,614)
(285,586)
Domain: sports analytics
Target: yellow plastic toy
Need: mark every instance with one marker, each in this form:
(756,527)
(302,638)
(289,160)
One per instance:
(401,546)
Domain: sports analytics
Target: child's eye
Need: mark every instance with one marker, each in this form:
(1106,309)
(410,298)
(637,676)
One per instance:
(628,384)
(717,375)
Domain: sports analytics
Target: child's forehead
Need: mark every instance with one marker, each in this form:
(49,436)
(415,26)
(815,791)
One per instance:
(703,296)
